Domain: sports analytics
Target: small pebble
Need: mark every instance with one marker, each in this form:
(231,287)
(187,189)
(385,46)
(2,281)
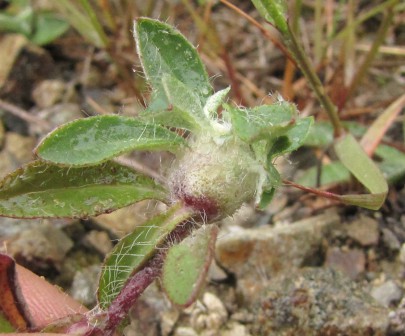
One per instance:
(387,294)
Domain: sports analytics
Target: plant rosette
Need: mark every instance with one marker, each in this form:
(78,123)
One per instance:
(226,159)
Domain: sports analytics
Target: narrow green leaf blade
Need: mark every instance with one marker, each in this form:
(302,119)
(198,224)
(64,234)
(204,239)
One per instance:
(48,28)
(353,157)
(134,250)
(164,50)
(187,264)
(97,139)
(42,190)
(274,11)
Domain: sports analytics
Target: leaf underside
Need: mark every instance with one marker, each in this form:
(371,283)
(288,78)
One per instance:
(187,264)
(134,250)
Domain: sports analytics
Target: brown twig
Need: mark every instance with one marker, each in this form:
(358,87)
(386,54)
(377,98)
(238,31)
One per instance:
(24,115)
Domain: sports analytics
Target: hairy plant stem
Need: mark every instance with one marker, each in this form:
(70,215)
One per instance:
(132,290)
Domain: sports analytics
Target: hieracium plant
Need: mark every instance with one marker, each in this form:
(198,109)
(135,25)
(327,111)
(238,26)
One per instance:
(224,157)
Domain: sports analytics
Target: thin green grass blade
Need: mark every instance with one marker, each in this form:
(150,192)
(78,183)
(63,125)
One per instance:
(73,14)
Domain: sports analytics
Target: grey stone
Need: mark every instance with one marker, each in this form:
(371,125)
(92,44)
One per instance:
(98,240)
(397,320)
(255,255)
(390,240)
(318,302)
(350,262)
(56,115)
(216,273)
(235,329)
(387,293)
(123,221)
(364,230)
(20,147)
(168,321)
(185,331)
(40,247)
(402,254)
(208,315)
(48,92)
(85,285)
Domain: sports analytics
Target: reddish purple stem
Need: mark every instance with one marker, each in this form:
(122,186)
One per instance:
(131,291)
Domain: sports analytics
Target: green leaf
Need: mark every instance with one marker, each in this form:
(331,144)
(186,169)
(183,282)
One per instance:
(97,139)
(363,168)
(42,190)
(334,172)
(181,98)
(321,133)
(262,122)
(292,139)
(5,326)
(48,28)
(84,20)
(392,164)
(134,250)
(214,102)
(272,181)
(21,23)
(274,11)
(187,264)
(164,50)
(266,198)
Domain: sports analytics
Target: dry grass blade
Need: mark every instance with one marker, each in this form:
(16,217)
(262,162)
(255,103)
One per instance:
(373,136)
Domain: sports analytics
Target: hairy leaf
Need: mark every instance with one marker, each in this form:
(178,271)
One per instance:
(42,190)
(292,139)
(184,99)
(187,264)
(97,139)
(164,50)
(134,250)
(262,122)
